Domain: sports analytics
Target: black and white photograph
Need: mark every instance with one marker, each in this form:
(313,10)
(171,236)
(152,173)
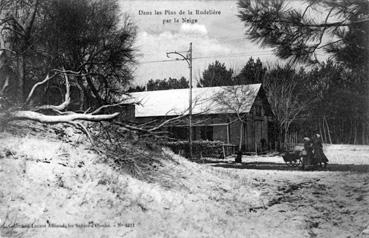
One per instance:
(194,118)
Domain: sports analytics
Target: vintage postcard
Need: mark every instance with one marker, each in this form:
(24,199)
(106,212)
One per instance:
(194,118)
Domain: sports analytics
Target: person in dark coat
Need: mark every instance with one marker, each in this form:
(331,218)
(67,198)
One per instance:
(319,155)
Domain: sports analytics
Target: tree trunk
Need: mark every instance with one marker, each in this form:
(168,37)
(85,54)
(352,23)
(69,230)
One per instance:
(355,132)
(286,127)
(280,137)
(320,131)
(342,131)
(84,96)
(328,131)
(94,90)
(324,133)
(363,133)
(241,136)
(20,78)
(351,132)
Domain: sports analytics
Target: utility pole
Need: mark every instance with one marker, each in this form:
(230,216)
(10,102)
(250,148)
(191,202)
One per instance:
(188,59)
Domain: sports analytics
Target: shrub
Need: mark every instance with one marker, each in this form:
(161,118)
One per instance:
(200,148)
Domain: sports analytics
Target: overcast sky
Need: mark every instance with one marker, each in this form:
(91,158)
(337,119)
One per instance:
(214,37)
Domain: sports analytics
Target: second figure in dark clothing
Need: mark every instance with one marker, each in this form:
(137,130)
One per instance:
(319,156)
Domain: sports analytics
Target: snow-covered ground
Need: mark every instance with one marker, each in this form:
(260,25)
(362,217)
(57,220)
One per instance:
(45,181)
(337,154)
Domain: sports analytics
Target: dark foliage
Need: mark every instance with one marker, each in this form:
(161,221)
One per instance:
(85,37)
(298,34)
(216,74)
(171,83)
(340,110)
(252,72)
(136,89)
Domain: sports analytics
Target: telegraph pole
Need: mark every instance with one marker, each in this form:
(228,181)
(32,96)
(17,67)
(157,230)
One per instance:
(190,100)
(188,59)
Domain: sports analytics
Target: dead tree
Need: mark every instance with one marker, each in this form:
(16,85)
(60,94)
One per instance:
(236,100)
(286,100)
(54,114)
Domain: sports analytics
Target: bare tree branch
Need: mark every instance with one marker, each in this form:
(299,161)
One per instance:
(167,122)
(107,106)
(5,86)
(36,86)
(64,104)
(80,126)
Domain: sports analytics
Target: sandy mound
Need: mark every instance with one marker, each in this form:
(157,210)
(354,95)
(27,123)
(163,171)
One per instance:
(48,183)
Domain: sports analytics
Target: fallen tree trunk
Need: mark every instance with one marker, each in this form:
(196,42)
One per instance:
(35,116)
(62,116)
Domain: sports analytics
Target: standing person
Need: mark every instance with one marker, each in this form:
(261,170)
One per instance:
(319,155)
(308,152)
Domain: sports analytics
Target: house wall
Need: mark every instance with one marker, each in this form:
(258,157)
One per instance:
(249,135)
(126,111)
(235,132)
(220,133)
(256,128)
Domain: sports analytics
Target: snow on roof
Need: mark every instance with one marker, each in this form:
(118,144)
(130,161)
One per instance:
(209,100)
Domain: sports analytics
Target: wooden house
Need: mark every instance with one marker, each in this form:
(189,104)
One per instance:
(231,114)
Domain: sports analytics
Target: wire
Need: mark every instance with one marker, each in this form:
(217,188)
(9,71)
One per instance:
(230,56)
(159,61)
(250,53)
(205,57)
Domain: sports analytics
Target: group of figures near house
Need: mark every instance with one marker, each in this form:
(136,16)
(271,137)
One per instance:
(313,154)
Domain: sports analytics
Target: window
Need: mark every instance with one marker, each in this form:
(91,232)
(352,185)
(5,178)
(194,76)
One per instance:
(206,133)
(180,133)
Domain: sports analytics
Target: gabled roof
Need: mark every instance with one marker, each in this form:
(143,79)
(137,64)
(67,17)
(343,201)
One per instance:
(209,100)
